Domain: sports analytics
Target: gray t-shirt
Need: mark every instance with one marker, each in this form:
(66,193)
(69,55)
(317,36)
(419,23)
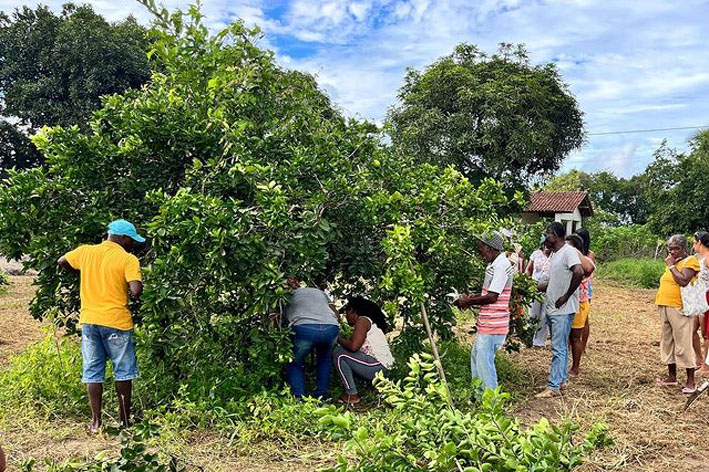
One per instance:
(310,306)
(560,274)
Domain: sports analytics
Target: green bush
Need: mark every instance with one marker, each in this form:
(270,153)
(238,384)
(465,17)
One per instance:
(423,432)
(643,273)
(632,241)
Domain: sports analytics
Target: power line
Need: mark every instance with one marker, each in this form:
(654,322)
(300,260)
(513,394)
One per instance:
(646,130)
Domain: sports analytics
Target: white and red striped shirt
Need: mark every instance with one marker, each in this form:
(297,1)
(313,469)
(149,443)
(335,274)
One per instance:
(495,317)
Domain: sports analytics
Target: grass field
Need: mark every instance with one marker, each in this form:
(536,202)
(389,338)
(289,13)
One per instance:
(616,386)
(643,273)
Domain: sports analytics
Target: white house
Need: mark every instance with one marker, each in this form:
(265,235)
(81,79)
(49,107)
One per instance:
(568,208)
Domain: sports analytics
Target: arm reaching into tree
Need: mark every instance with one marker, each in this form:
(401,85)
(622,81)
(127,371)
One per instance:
(466,301)
(136,289)
(64,264)
(358,335)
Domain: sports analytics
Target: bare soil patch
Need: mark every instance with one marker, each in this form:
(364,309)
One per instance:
(17,328)
(617,386)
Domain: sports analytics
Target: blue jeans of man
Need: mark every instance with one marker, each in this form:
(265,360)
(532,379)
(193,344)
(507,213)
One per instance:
(560,328)
(306,338)
(100,343)
(482,358)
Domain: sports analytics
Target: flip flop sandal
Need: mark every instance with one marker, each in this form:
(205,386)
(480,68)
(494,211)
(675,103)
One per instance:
(665,383)
(689,391)
(549,394)
(344,401)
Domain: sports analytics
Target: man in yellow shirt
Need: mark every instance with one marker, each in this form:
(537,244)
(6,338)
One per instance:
(108,271)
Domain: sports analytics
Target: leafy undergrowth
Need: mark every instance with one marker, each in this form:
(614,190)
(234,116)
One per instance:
(416,426)
(423,432)
(643,273)
(134,456)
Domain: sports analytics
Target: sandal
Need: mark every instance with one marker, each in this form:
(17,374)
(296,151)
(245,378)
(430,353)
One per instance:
(549,394)
(348,399)
(689,391)
(666,383)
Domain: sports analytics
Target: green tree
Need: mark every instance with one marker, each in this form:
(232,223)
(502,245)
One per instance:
(243,173)
(491,116)
(16,150)
(676,183)
(55,68)
(623,200)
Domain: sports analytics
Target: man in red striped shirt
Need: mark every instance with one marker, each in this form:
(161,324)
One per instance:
(494,317)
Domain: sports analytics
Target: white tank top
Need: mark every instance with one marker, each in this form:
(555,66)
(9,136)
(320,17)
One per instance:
(377,346)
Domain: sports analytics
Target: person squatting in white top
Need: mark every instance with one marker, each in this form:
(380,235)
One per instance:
(366,352)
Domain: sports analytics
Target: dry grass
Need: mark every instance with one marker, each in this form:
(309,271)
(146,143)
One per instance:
(17,328)
(617,386)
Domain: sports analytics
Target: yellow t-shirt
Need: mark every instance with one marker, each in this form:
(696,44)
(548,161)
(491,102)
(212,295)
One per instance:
(669,294)
(105,270)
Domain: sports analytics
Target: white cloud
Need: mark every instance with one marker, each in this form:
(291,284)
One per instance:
(359,9)
(641,108)
(632,65)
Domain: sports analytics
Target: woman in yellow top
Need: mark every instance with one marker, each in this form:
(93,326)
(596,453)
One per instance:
(676,348)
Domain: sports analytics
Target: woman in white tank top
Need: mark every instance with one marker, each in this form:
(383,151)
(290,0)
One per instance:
(366,352)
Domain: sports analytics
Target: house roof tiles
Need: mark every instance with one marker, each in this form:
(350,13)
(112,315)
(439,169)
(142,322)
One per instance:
(558,202)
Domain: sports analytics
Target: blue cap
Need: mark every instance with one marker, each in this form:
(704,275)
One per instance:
(124,228)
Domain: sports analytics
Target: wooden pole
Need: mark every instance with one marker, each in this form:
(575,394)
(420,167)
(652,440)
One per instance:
(435,352)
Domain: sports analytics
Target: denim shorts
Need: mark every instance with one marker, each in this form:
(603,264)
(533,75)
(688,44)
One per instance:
(100,343)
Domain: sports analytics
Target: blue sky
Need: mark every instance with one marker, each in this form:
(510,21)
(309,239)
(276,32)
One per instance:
(632,65)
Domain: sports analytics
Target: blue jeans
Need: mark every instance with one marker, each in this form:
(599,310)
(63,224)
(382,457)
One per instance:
(482,358)
(100,343)
(560,328)
(307,337)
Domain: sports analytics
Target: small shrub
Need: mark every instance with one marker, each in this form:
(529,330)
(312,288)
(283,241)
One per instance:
(4,283)
(632,241)
(424,433)
(643,273)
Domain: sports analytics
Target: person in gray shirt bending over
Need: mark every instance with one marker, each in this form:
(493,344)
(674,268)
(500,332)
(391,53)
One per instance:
(315,327)
(561,303)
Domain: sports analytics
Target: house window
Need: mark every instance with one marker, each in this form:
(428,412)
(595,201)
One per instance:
(574,226)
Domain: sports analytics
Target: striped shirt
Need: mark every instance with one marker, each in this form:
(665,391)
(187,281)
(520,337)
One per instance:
(495,317)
